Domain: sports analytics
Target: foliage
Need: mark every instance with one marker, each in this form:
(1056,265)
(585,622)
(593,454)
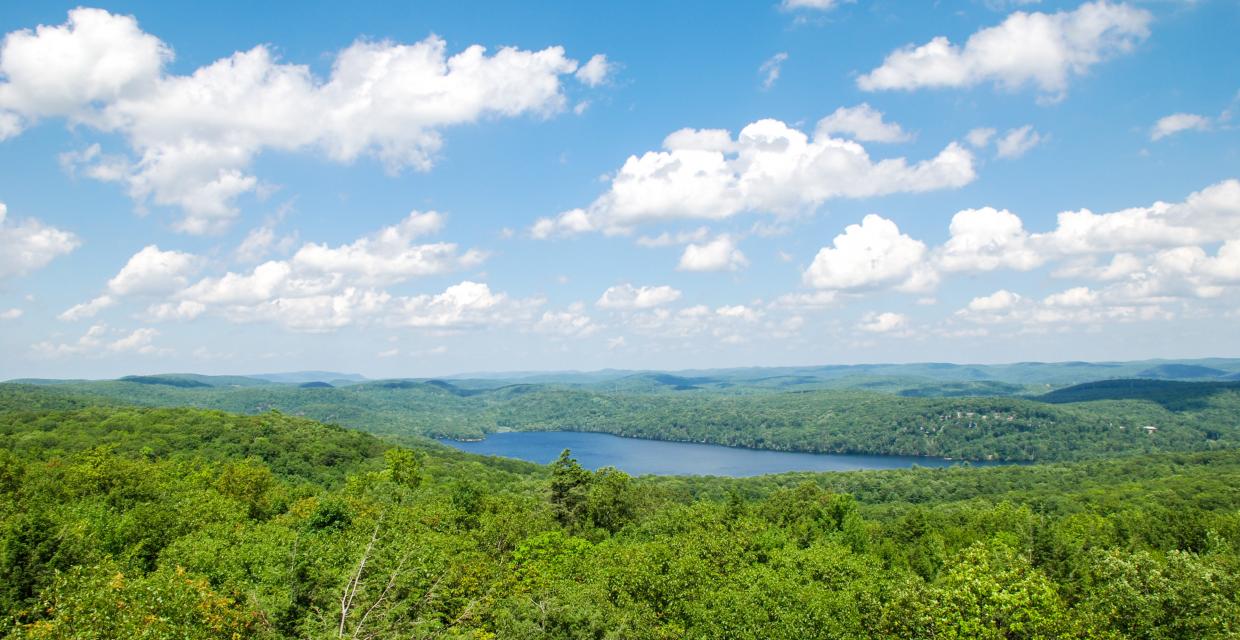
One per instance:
(161,523)
(1098,419)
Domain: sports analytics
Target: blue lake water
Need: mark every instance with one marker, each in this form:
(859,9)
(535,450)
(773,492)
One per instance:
(637,456)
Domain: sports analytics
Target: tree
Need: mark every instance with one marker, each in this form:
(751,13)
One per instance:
(404,466)
(570,486)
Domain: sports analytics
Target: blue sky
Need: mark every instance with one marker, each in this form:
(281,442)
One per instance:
(233,188)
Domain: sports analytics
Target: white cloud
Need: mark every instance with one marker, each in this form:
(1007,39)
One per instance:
(1209,215)
(986,239)
(194,137)
(322,287)
(90,341)
(95,57)
(154,272)
(1181,272)
(626,296)
(872,255)
(569,323)
(11,314)
(262,283)
(183,310)
(980,137)
(720,254)
(1074,307)
(771,68)
(1170,236)
(95,342)
(261,242)
(315,313)
(1000,300)
(1120,266)
(1017,142)
(1074,297)
(87,309)
(863,123)
(387,256)
(882,322)
(1040,49)
(139,341)
(1177,122)
(739,312)
(27,245)
(769,167)
(810,300)
(666,239)
(595,71)
(468,304)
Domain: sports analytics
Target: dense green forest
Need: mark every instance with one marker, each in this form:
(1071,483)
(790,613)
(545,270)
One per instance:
(1092,419)
(132,522)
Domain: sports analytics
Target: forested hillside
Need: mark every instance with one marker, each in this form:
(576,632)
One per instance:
(122,522)
(1102,418)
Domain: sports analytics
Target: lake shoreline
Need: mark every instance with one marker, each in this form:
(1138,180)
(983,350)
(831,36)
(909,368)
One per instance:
(651,456)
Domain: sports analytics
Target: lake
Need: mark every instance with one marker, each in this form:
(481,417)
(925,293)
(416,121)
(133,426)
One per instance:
(637,456)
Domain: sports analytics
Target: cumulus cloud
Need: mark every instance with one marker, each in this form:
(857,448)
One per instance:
(1074,297)
(1041,49)
(1000,300)
(1178,122)
(11,314)
(261,242)
(1076,306)
(152,271)
(27,245)
(626,296)
(570,323)
(863,123)
(986,239)
(96,342)
(87,309)
(768,167)
(872,255)
(886,322)
(720,254)
(320,287)
(667,239)
(808,300)
(94,58)
(1156,253)
(463,305)
(193,138)
(1017,142)
(168,311)
(389,255)
(739,312)
(1209,215)
(595,71)
(980,137)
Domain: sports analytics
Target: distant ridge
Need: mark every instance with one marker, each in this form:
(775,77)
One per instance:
(301,377)
(1019,373)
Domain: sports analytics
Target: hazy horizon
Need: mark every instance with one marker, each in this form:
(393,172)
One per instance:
(520,373)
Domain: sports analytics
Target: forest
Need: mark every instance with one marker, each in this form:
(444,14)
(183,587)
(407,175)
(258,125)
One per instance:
(899,415)
(124,521)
